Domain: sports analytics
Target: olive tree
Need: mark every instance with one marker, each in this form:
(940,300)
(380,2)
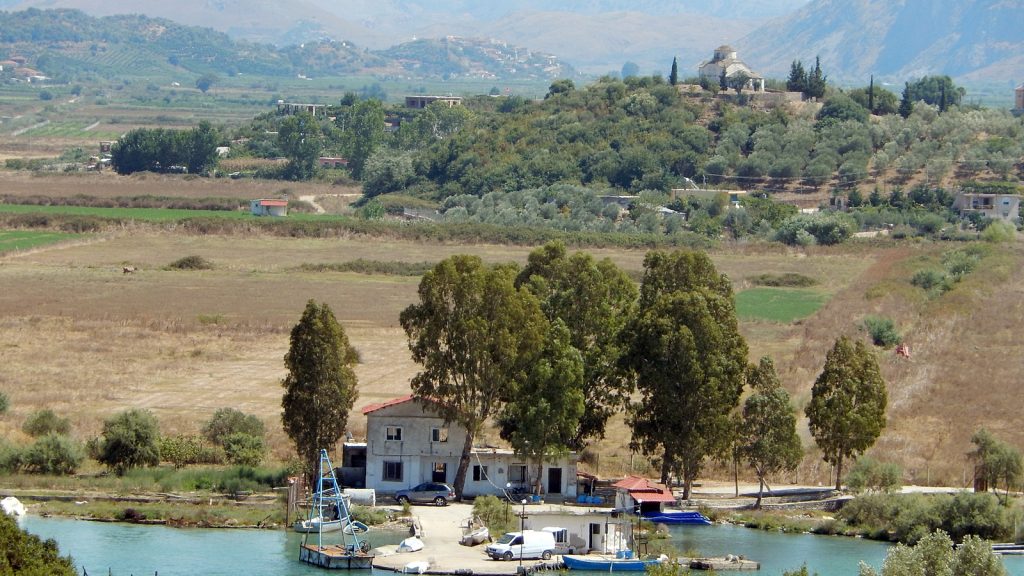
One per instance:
(129,440)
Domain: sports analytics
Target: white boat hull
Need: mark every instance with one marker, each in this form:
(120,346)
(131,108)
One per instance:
(316,525)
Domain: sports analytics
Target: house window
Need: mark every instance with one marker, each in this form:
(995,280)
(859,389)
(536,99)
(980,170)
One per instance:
(438,434)
(393,433)
(517,473)
(392,471)
(479,473)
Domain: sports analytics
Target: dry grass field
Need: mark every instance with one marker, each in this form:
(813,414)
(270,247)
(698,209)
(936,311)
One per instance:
(82,338)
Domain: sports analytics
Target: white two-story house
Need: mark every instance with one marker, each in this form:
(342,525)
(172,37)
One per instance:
(407,443)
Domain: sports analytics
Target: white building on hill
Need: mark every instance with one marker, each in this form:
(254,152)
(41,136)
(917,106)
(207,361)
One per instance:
(725,60)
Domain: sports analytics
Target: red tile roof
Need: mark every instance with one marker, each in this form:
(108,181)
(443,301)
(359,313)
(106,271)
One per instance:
(268,202)
(379,405)
(644,490)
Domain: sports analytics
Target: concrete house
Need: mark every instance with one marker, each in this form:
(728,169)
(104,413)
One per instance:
(421,102)
(996,206)
(408,442)
(725,60)
(582,530)
(268,207)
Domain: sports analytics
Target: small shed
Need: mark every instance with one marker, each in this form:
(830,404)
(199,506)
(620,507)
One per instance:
(637,494)
(269,207)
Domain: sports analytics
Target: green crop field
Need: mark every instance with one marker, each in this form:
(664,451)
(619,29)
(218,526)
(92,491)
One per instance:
(143,214)
(23,240)
(778,304)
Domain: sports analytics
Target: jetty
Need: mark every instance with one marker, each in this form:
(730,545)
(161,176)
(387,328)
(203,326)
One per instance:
(722,564)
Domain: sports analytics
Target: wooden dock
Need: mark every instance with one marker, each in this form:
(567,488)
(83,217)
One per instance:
(335,557)
(724,563)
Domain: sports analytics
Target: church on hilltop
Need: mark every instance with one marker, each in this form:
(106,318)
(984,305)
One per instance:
(725,60)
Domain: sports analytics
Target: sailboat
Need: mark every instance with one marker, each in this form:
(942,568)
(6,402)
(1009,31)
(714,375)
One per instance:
(353,552)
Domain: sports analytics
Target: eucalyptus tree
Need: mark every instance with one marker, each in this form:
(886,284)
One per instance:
(846,413)
(768,438)
(688,358)
(594,299)
(476,337)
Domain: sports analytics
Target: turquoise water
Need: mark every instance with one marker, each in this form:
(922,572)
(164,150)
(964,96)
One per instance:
(127,549)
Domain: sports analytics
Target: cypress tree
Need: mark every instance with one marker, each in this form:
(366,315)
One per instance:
(906,102)
(871,95)
(673,77)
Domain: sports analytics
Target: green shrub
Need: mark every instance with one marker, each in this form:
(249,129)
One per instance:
(882,330)
(190,263)
(909,517)
(363,266)
(244,449)
(53,454)
(496,514)
(960,263)
(180,450)
(785,280)
(999,232)
(369,515)
(870,474)
(10,458)
(929,279)
(43,422)
(825,228)
(228,421)
(5,404)
(24,553)
(129,440)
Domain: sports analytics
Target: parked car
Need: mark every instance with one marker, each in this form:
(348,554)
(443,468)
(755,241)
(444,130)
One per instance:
(527,544)
(434,492)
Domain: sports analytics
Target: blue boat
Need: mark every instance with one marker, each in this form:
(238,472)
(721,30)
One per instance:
(597,563)
(677,517)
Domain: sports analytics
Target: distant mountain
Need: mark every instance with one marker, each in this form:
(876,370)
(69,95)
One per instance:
(895,39)
(64,43)
(593,35)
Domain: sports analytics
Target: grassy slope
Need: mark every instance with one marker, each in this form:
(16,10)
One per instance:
(187,343)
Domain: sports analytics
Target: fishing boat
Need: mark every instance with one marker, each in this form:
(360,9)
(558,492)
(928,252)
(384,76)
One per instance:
(328,517)
(604,563)
(352,552)
(356,527)
(676,517)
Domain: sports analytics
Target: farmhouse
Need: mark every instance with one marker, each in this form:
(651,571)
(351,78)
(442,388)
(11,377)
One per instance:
(408,442)
(268,207)
(725,61)
(996,206)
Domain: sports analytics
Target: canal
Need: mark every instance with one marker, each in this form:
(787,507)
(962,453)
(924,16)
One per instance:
(129,549)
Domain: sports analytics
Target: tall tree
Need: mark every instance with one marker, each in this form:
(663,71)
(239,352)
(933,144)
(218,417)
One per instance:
(769,441)
(201,153)
(320,387)
(689,359)
(594,299)
(906,102)
(816,80)
(846,413)
(871,95)
(300,140)
(996,460)
(797,81)
(738,81)
(363,127)
(673,75)
(542,413)
(475,336)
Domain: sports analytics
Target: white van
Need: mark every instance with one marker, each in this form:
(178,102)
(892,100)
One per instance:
(526,544)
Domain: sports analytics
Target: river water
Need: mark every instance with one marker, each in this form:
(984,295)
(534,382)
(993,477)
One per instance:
(128,549)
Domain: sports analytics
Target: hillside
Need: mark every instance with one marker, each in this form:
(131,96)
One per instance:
(593,35)
(976,39)
(68,43)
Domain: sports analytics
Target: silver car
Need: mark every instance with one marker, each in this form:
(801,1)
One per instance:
(435,492)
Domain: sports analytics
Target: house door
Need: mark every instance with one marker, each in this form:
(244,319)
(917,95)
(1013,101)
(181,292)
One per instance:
(554,480)
(595,536)
(440,472)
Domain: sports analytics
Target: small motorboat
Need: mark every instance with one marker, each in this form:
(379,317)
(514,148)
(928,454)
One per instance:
(410,544)
(355,527)
(621,562)
(677,517)
(318,524)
